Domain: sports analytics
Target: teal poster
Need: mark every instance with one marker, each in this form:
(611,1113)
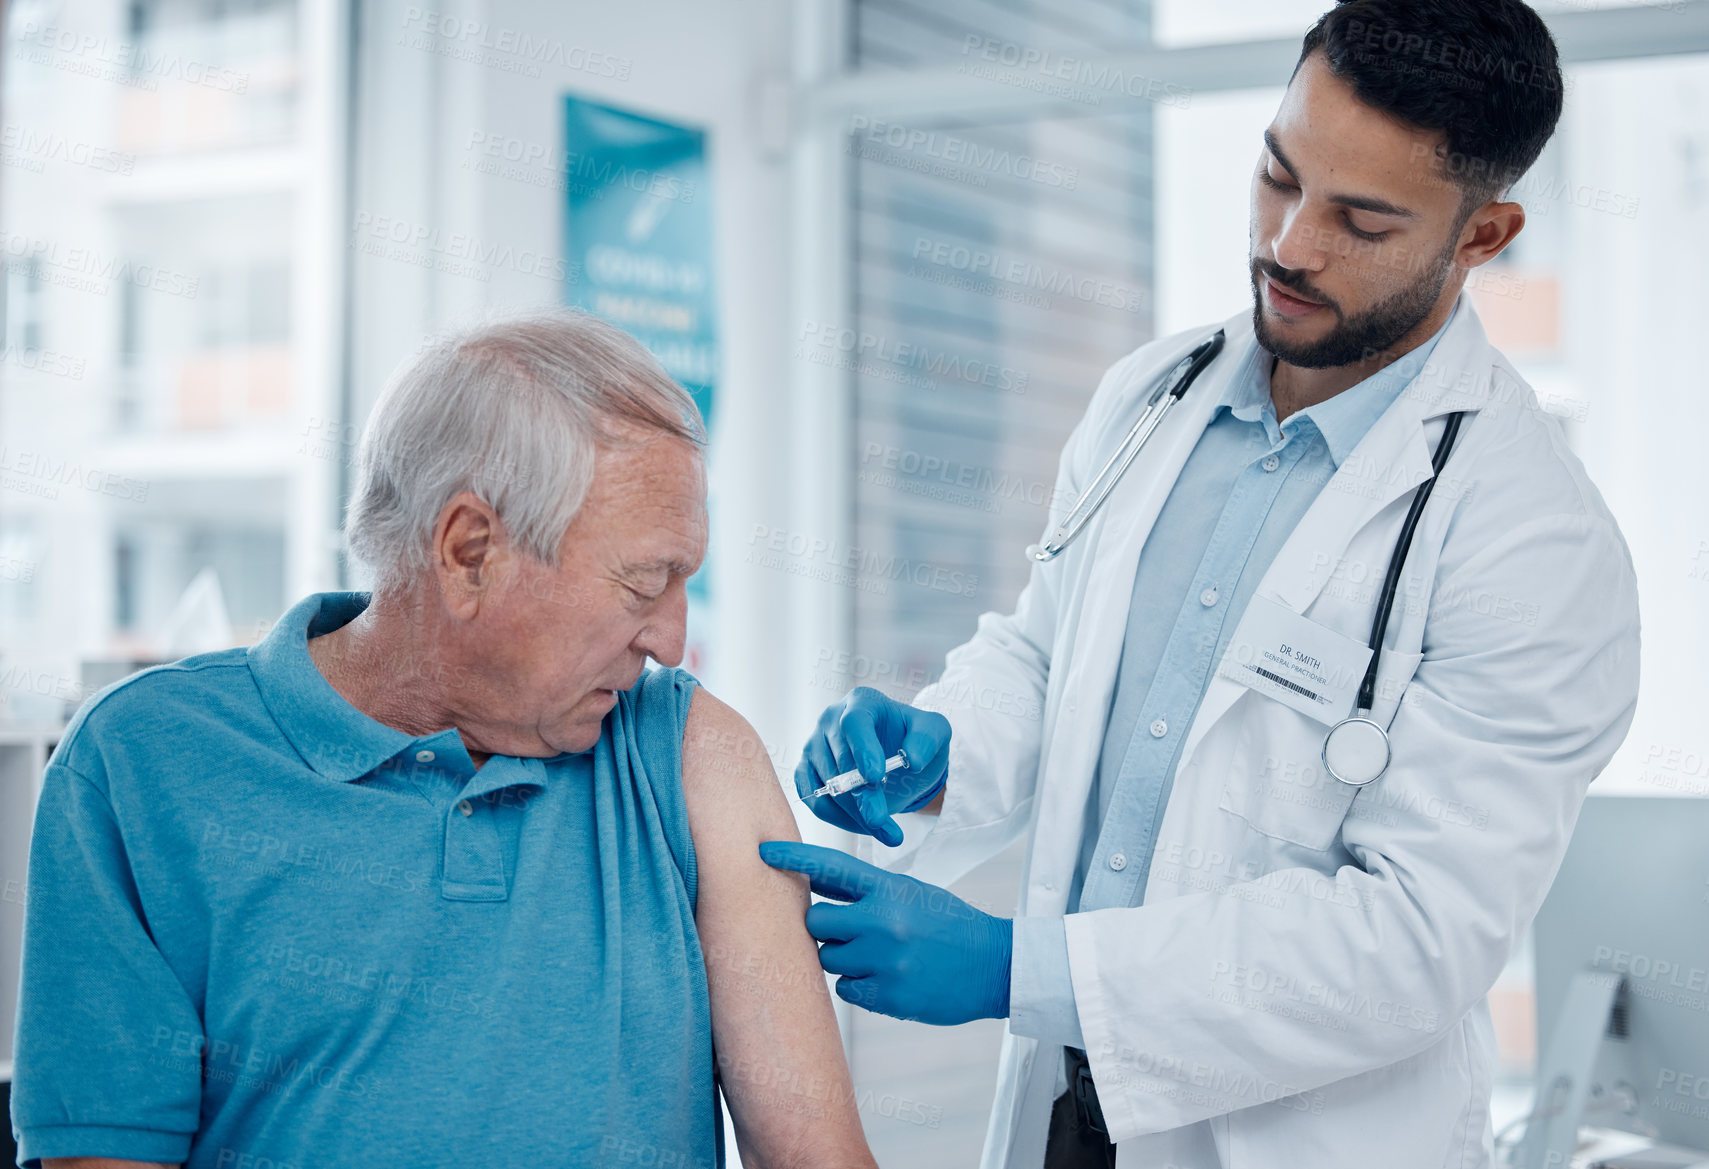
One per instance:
(638,234)
(638,238)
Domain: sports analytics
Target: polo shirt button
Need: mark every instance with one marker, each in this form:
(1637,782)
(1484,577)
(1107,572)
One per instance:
(424,756)
(1118,862)
(466,808)
(1208,598)
(1159,728)
(1271,462)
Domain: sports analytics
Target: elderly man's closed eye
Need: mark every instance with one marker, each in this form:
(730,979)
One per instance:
(438,874)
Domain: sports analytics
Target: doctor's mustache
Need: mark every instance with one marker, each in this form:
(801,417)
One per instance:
(1292,281)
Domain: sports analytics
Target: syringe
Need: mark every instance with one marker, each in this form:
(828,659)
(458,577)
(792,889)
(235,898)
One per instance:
(849,780)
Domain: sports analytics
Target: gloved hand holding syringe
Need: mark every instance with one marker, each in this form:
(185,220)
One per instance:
(844,777)
(851,779)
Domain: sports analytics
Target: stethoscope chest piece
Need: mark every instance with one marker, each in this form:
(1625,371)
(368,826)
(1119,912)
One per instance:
(1356,751)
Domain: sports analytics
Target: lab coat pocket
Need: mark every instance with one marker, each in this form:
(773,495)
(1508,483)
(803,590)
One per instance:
(1277,782)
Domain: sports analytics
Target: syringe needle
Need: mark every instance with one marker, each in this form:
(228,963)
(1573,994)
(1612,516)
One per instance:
(849,780)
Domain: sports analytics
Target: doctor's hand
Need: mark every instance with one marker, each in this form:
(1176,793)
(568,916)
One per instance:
(861,731)
(904,948)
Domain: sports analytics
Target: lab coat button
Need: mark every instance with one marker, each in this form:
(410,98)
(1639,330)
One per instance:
(424,756)
(1271,462)
(466,808)
(1159,728)
(1208,597)
(1118,862)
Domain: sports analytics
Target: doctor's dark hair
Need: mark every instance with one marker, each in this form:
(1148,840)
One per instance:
(1483,72)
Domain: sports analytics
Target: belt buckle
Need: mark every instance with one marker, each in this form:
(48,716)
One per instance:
(1086,1098)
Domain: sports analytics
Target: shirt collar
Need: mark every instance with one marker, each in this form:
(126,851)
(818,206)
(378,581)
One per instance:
(1342,420)
(333,737)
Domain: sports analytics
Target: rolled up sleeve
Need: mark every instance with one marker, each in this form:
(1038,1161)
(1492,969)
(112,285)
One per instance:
(1041,988)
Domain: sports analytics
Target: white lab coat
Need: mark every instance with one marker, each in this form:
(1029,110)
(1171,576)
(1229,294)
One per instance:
(1305,984)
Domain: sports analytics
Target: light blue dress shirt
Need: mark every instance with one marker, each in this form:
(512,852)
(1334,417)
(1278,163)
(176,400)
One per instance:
(1238,498)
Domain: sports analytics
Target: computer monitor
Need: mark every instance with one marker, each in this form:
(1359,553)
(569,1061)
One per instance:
(1622,960)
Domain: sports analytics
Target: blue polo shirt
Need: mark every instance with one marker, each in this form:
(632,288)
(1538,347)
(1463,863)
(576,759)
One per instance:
(265,931)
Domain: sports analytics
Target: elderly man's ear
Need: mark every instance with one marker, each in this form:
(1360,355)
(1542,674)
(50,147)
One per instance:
(471,552)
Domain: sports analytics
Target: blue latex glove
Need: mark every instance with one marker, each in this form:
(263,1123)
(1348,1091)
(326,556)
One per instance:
(904,948)
(862,731)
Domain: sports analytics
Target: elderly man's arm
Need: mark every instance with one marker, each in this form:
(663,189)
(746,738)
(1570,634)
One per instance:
(780,1058)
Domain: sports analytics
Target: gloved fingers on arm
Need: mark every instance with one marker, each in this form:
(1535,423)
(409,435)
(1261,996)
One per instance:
(862,992)
(830,921)
(830,873)
(856,959)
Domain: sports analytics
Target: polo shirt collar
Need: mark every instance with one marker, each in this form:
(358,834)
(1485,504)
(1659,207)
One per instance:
(1342,420)
(333,737)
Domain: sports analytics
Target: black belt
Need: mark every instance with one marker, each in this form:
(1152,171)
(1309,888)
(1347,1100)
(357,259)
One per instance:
(1077,1137)
(1083,1089)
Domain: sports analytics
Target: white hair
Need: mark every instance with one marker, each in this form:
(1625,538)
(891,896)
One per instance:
(513,410)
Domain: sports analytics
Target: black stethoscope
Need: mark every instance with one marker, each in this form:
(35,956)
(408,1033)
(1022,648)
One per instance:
(1356,749)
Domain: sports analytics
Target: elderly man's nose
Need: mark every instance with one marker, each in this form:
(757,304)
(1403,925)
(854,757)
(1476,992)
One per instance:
(665,636)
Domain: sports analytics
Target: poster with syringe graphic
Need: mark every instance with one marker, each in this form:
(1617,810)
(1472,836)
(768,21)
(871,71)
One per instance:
(638,238)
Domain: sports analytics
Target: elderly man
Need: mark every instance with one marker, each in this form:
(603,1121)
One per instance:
(438,875)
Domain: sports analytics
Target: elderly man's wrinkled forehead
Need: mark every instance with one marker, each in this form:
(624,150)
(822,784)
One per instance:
(652,489)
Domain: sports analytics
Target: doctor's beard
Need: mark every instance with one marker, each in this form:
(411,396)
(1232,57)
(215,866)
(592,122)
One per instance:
(1361,336)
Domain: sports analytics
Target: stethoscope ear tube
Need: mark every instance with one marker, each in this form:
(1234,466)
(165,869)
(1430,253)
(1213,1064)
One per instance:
(1169,391)
(1403,545)
(1356,749)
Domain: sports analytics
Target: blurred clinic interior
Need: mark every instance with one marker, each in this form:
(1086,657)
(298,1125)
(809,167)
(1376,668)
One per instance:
(890,247)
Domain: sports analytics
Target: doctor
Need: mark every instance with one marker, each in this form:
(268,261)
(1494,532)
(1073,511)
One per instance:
(1223,955)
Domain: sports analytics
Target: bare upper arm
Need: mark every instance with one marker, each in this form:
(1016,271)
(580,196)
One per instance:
(780,1057)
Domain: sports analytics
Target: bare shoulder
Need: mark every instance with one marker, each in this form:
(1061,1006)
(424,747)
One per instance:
(728,778)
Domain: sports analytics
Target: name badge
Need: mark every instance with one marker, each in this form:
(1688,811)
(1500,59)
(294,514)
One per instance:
(1296,661)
